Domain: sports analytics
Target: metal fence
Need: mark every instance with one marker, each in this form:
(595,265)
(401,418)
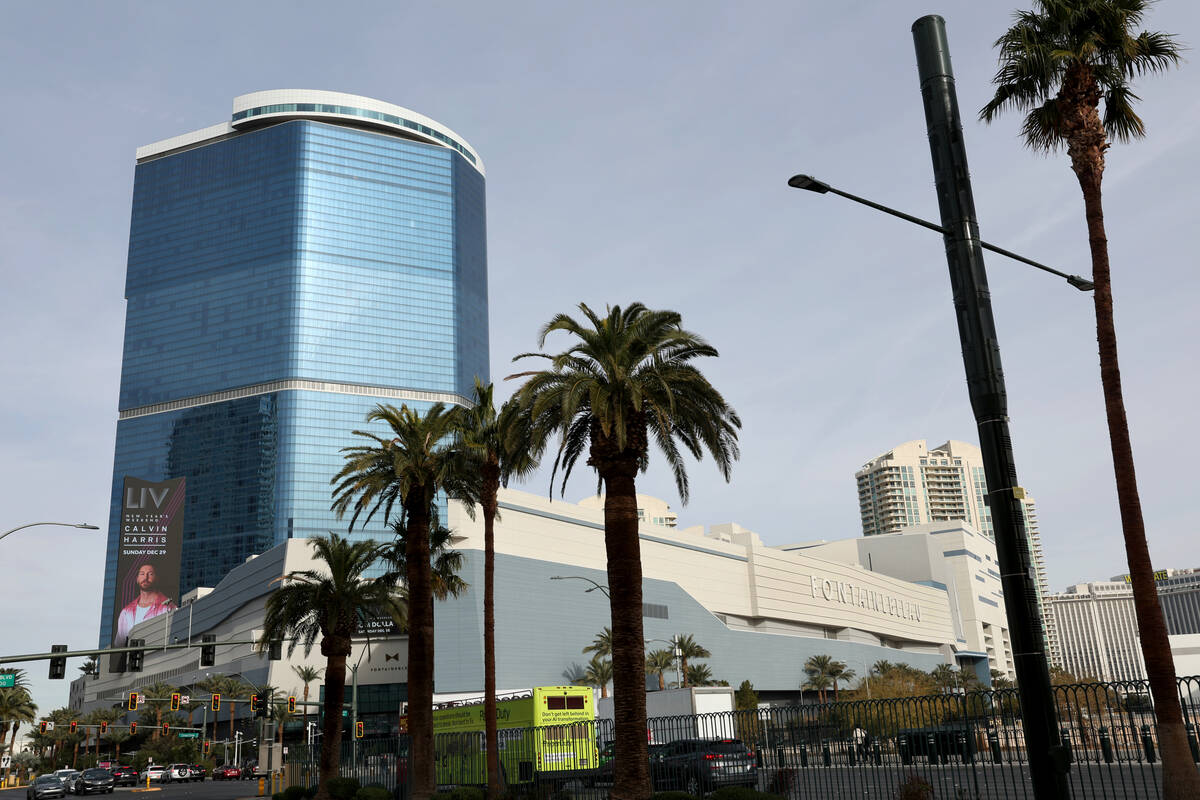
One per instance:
(963,745)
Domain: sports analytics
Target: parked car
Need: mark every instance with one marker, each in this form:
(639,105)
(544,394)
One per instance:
(68,778)
(159,773)
(181,772)
(96,780)
(250,770)
(698,766)
(199,773)
(227,772)
(46,787)
(124,776)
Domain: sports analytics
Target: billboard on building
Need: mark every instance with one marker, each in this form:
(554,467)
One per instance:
(150,542)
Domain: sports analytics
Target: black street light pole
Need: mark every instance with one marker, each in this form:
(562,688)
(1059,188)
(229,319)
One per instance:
(1048,759)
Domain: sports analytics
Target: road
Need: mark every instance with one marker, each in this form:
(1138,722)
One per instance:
(208,790)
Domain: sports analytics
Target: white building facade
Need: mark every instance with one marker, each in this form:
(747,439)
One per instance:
(1097,631)
(913,485)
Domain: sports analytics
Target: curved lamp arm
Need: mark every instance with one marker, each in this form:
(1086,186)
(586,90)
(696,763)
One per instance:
(83,525)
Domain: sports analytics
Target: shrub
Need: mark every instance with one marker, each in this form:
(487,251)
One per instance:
(372,793)
(296,793)
(915,788)
(343,788)
(672,796)
(462,793)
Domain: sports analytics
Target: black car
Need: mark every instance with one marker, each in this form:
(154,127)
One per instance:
(698,766)
(95,780)
(125,776)
(46,786)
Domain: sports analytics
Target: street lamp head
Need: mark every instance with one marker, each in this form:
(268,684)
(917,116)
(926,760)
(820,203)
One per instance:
(809,183)
(1082,284)
(87,527)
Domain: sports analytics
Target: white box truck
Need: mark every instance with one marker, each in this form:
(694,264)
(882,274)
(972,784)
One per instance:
(694,712)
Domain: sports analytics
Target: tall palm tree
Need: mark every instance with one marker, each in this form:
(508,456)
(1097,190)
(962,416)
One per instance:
(307,675)
(158,698)
(658,662)
(330,603)
(500,450)
(16,707)
(600,673)
(818,674)
(602,644)
(838,672)
(689,648)
(420,458)
(279,709)
(115,737)
(626,378)
(1058,63)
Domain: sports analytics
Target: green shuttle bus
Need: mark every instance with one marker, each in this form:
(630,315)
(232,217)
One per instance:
(546,734)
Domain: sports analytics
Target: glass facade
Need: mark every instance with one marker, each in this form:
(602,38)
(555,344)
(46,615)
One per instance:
(351,260)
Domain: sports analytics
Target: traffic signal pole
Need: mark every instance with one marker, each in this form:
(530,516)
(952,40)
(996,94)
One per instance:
(1048,760)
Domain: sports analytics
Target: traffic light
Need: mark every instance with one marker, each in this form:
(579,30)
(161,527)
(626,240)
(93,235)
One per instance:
(253,704)
(136,657)
(275,650)
(42,726)
(132,728)
(208,652)
(174,701)
(74,726)
(166,728)
(216,702)
(133,698)
(103,727)
(207,746)
(58,666)
(358,730)
(291,704)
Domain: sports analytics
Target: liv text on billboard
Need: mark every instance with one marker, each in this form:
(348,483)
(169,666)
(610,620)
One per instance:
(149,545)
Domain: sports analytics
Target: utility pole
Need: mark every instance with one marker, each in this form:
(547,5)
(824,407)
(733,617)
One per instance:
(1048,760)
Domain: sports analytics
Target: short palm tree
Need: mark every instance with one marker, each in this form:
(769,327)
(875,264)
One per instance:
(158,698)
(445,563)
(626,378)
(116,737)
(409,467)
(698,675)
(602,644)
(600,673)
(307,675)
(818,674)
(498,446)
(16,707)
(330,603)
(1058,64)
(689,648)
(839,672)
(658,662)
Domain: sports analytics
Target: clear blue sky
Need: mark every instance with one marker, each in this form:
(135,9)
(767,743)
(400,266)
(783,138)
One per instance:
(635,151)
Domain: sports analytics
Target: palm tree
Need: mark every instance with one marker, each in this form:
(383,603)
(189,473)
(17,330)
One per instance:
(688,649)
(1057,64)
(602,644)
(658,662)
(445,563)
(90,667)
(627,378)
(409,467)
(945,676)
(839,672)
(818,674)
(115,737)
(307,675)
(282,716)
(499,444)
(698,675)
(330,603)
(16,707)
(158,698)
(600,673)
(882,667)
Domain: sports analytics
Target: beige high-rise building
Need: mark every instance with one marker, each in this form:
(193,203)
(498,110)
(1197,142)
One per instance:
(912,484)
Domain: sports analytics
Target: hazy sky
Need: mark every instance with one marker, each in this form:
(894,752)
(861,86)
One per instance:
(635,151)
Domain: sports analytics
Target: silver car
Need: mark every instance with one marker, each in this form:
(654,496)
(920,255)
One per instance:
(46,787)
(68,778)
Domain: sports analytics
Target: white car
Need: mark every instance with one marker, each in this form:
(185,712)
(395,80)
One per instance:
(68,778)
(158,773)
(181,772)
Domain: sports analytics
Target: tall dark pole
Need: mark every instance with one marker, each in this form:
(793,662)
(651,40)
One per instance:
(1048,762)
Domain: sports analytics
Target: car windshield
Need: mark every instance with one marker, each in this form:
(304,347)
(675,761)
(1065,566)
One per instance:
(727,746)
(47,779)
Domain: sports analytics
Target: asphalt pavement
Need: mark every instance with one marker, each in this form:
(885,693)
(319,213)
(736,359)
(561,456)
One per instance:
(207,790)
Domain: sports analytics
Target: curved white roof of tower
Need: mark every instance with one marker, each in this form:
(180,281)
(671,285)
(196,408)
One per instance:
(276,105)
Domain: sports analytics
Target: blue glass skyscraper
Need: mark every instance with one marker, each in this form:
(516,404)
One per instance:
(318,254)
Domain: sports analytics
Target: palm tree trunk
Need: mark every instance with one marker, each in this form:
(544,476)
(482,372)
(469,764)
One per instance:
(662,682)
(305,712)
(631,774)
(683,671)
(1180,778)
(491,487)
(335,653)
(231,722)
(420,646)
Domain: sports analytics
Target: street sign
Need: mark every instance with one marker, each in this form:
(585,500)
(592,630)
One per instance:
(49,726)
(8,681)
(188,734)
(184,699)
(5,762)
